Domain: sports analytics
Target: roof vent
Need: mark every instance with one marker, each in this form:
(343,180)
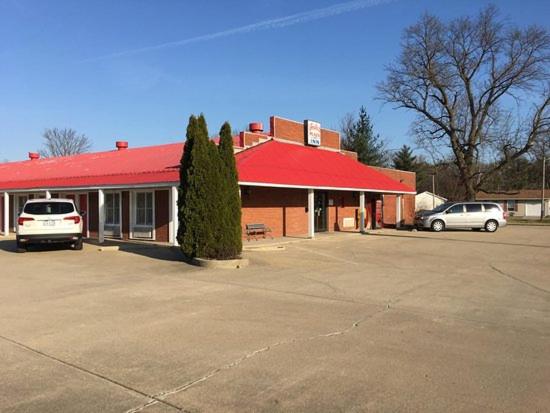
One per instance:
(121,145)
(256,127)
(34,155)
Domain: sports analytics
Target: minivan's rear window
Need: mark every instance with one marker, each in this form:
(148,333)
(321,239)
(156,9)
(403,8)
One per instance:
(47,208)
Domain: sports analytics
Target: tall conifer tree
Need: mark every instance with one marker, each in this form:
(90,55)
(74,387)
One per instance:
(359,137)
(232,239)
(405,160)
(198,180)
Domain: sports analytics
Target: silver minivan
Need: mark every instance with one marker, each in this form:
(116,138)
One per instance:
(475,215)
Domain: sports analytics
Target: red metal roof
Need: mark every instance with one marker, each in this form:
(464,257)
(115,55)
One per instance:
(270,163)
(285,164)
(152,164)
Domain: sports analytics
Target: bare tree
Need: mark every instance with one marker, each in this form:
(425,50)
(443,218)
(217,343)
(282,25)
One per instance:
(480,87)
(64,142)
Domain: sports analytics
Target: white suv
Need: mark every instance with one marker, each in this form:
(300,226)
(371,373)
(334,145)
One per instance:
(49,221)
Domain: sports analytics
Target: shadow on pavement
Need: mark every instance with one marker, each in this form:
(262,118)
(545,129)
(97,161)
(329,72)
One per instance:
(482,240)
(156,251)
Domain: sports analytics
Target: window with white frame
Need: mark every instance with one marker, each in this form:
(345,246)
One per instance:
(112,209)
(143,209)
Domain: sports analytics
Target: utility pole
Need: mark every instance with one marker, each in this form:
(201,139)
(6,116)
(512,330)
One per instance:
(542,206)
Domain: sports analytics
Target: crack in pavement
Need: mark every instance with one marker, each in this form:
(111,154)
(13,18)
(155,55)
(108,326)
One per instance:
(162,395)
(89,372)
(510,276)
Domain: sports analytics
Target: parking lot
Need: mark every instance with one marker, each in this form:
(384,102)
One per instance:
(393,321)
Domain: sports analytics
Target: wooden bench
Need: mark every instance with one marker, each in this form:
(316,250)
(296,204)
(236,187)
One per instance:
(253,230)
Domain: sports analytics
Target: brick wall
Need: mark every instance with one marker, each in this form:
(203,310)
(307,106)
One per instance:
(162,212)
(406,177)
(281,209)
(344,205)
(295,131)
(250,138)
(285,210)
(389,210)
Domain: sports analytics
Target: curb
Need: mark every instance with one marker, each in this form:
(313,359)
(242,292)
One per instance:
(220,264)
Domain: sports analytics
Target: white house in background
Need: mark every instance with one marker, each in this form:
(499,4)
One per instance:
(426,200)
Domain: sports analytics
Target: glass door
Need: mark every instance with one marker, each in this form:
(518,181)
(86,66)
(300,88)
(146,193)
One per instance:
(320,211)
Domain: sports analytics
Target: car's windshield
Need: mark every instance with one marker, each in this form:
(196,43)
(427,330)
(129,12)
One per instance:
(47,208)
(442,207)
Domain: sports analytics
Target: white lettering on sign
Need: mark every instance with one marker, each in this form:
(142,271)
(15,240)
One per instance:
(313,133)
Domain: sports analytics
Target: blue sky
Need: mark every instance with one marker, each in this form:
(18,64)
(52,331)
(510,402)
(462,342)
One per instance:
(78,64)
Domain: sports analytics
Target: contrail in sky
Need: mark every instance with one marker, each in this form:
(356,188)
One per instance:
(291,20)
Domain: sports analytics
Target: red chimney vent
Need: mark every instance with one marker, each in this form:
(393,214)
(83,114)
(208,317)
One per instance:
(256,127)
(34,155)
(121,145)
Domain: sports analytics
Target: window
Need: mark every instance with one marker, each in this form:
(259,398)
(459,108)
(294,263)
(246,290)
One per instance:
(473,207)
(144,209)
(491,207)
(456,209)
(49,208)
(511,204)
(112,209)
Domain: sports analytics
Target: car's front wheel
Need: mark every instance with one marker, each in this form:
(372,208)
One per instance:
(438,225)
(491,225)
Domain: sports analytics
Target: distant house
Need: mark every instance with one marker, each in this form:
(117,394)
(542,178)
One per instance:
(426,200)
(519,203)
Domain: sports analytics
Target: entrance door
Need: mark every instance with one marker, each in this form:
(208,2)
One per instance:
(320,211)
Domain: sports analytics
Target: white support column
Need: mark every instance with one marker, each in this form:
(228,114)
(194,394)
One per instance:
(174,223)
(361,212)
(101,216)
(310,213)
(48,194)
(398,211)
(6,219)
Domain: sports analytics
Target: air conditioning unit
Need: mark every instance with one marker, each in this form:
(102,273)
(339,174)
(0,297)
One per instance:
(348,222)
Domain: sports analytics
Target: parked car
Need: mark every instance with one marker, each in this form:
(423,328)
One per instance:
(475,215)
(49,221)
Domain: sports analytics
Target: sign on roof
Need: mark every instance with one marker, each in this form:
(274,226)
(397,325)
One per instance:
(313,133)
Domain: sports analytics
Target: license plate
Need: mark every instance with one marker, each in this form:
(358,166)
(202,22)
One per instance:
(49,223)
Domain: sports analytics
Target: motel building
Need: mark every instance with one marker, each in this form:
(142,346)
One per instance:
(294,179)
